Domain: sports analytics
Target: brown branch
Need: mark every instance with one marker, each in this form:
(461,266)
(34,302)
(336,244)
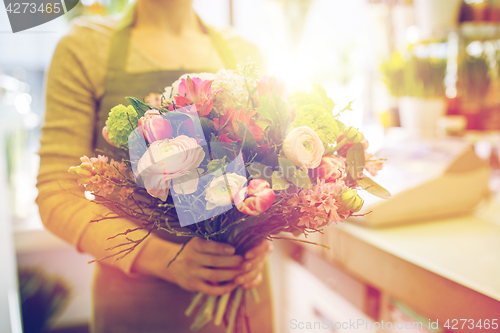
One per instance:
(179,252)
(125,233)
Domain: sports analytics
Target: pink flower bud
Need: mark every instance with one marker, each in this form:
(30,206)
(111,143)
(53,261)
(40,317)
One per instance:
(105,134)
(79,171)
(365,144)
(254,199)
(154,127)
(331,169)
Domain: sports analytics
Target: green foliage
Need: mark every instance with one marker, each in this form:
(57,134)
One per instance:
(248,143)
(372,187)
(474,77)
(122,121)
(300,179)
(318,119)
(292,174)
(279,182)
(355,160)
(317,96)
(287,167)
(273,117)
(43,297)
(414,76)
(260,171)
(140,107)
(208,126)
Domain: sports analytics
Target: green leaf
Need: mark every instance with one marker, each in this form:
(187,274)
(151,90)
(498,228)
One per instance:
(271,160)
(317,96)
(208,126)
(287,167)
(278,182)
(216,148)
(348,107)
(266,110)
(293,174)
(261,171)
(372,187)
(248,139)
(139,106)
(341,126)
(217,164)
(281,109)
(263,123)
(300,179)
(356,161)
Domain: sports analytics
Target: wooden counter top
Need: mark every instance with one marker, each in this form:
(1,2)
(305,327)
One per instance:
(444,269)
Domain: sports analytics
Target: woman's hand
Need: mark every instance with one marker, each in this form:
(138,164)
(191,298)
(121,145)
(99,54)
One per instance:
(203,265)
(200,266)
(256,257)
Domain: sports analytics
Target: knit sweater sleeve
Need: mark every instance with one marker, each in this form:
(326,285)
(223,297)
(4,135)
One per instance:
(74,83)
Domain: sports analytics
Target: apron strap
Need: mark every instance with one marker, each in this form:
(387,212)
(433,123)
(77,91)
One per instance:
(120,44)
(225,53)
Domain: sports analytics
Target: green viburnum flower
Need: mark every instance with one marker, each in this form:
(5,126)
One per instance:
(320,120)
(317,96)
(122,120)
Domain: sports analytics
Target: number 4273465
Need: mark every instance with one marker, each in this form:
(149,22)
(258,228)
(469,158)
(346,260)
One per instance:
(28,7)
(453,324)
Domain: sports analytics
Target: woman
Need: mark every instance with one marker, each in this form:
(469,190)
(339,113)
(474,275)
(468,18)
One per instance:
(93,68)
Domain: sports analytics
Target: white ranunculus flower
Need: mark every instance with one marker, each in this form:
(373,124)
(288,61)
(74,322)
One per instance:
(170,159)
(222,190)
(304,147)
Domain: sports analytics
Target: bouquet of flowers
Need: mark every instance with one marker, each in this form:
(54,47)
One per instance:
(230,157)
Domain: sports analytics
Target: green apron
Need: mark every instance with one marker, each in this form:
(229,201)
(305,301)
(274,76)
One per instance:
(142,304)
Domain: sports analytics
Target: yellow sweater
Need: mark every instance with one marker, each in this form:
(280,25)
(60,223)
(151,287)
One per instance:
(75,84)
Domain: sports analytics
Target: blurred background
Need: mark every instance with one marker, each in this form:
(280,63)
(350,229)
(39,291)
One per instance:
(423,77)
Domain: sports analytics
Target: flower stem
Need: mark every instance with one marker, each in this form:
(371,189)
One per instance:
(235,305)
(255,295)
(341,144)
(221,309)
(196,299)
(205,315)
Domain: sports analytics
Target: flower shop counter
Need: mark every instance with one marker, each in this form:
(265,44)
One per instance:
(444,269)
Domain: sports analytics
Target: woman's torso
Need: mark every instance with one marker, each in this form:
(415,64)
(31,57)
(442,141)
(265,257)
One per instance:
(124,303)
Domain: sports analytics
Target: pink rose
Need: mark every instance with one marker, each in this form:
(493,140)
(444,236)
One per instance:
(171,159)
(154,127)
(254,199)
(331,169)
